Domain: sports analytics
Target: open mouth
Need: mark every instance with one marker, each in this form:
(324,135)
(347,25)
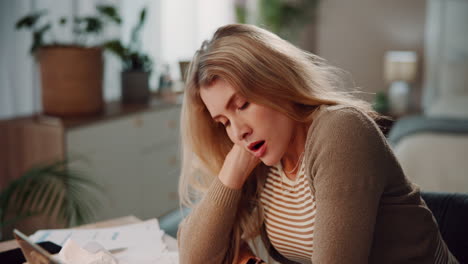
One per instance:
(256,145)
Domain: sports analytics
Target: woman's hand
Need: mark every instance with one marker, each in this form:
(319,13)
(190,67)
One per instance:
(238,165)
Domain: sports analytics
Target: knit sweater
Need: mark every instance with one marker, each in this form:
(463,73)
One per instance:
(367,210)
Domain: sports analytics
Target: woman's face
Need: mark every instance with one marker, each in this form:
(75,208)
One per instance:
(260,130)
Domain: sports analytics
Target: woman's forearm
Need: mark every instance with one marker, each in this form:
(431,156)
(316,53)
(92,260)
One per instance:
(205,235)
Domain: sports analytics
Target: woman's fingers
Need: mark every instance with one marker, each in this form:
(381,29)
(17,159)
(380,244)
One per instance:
(238,165)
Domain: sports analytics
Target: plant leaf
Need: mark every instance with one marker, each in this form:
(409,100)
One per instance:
(63,21)
(30,20)
(142,16)
(92,25)
(53,190)
(38,37)
(110,12)
(115,46)
(135,35)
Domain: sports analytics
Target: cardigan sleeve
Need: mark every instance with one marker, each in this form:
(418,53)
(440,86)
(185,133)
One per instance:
(204,236)
(350,157)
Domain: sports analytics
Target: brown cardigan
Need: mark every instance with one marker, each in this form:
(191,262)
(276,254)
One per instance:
(367,210)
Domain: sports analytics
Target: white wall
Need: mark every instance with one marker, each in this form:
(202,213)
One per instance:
(186,23)
(17,93)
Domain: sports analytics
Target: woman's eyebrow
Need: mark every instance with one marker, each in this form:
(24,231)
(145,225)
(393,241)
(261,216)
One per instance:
(230,101)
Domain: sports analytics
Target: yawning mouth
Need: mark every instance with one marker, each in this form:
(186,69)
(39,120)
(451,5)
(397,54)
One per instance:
(256,145)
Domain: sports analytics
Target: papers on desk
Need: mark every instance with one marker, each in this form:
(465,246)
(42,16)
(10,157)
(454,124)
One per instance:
(135,243)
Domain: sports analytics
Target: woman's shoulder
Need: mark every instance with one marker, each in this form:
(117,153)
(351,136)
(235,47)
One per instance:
(345,138)
(341,118)
(343,127)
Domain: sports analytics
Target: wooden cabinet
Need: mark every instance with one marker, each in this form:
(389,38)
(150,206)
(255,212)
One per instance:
(131,151)
(135,159)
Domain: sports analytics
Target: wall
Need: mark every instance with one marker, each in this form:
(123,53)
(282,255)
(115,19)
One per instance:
(185,24)
(354,36)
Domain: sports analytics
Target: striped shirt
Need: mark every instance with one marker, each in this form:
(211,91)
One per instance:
(289,208)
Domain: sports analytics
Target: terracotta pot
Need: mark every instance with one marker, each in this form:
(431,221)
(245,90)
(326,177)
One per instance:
(72,79)
(135,87)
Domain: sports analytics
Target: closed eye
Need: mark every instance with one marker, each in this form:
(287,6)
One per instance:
(244,106)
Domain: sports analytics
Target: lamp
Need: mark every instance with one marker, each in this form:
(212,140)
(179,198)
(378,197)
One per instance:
(400,69)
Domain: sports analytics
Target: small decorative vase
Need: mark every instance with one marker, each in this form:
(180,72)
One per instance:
(135,87)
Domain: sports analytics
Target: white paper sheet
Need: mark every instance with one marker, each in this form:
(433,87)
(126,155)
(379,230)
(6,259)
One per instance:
(138,243)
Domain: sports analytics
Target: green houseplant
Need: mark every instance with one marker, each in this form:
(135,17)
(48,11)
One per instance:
(286,18)
(136,65)
(64,195)
(71,72)
(381,103)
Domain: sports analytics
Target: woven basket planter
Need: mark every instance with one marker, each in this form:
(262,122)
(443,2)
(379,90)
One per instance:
(71,79)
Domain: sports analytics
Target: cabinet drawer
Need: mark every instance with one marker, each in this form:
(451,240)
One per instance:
(117,172)
(120,133)
(160,174)
(136,160)
(159,127)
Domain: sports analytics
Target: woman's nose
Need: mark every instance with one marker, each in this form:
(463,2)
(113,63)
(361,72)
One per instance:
(241,130)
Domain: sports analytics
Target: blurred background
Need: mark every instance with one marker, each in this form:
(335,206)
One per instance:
(90,93)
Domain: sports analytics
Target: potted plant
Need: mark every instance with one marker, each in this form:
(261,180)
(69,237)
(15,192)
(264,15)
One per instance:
(381,104)
(71,73)
(62,195)
(136,65)
(286,18)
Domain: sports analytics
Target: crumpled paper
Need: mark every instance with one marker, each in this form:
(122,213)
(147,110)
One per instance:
(92,253)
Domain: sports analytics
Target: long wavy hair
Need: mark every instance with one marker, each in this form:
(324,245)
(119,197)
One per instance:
(266,70)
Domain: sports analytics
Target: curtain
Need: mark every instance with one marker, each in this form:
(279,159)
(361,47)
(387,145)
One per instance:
(446,61)
(18,91)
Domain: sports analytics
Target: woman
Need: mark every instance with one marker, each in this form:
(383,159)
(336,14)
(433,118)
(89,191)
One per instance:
(273,148)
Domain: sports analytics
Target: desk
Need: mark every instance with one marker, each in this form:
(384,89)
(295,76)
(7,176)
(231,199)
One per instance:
(170,241)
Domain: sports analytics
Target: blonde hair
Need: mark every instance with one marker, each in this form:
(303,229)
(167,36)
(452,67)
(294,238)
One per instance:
(266,70)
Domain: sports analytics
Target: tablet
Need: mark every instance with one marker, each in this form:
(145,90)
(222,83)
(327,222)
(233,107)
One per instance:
(32,252)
